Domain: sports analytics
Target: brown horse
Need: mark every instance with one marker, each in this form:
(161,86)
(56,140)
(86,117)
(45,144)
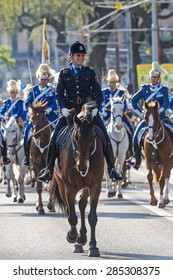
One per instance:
(41,132)
(81,168)
(158,152)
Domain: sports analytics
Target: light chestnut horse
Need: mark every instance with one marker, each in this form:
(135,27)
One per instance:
(158,153)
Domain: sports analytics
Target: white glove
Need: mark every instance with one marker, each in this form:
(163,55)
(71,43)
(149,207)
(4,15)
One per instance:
(141,115)
(65,112)
(94,112)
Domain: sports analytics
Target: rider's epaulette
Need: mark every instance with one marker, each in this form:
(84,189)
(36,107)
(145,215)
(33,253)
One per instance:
(66,71)
(89,67)
(144,85)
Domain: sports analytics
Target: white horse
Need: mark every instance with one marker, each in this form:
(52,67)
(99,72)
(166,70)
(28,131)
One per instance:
(120,143)
(15,171)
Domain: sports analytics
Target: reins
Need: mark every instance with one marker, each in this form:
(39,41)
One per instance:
(153,142)
(49,124)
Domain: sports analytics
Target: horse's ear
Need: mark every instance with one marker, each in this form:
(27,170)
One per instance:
(145,105)
(157,104)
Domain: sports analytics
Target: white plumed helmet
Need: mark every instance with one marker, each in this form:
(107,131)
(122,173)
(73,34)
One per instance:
(156,69)
(112,76)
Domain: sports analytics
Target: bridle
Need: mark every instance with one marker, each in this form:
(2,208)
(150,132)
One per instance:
(79,154)
(156,133)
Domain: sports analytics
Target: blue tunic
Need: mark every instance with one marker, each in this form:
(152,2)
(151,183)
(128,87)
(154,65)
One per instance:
(46,95)
(149,93)
(106,107)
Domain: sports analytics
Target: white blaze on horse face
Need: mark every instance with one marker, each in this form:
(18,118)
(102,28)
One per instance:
(117,115)
(150,127)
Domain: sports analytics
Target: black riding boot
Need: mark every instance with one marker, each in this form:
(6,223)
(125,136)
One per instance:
(27,145)
(47,174)
(114,174)
(137,155)
(6,160)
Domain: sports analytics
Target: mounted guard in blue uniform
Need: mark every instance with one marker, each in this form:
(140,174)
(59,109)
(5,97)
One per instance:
(115,89)
(77,85)
(150,92)
(13,106)
(45,93)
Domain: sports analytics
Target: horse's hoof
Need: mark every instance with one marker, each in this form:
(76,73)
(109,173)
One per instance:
(41,211)
(153,203)
(5,182)
(93,252)
(120,195)
(161,205)
(8,194)
(166,201)
(124,185)
(111,194)
(15,199)
(24,197)
(71,239)
(21,200)
(78,248)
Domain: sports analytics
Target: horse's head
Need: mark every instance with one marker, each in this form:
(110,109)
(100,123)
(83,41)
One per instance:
(38,117)
(152,119)
(12,132)
(117,110)
(83,141)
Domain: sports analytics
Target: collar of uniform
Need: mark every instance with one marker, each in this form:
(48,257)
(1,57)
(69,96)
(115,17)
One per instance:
(155,86)
(42,89)
(13,99)
(74,67)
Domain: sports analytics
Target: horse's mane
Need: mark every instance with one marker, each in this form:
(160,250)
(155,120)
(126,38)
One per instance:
(39,104)
(152,104)
(86,111)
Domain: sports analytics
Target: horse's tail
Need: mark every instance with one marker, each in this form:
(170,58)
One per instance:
(54,193)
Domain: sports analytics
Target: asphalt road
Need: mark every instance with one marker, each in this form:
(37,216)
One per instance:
(127,229)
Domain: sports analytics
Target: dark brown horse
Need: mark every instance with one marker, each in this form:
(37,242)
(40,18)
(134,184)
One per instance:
(39,145)
(158,152)
(82,167)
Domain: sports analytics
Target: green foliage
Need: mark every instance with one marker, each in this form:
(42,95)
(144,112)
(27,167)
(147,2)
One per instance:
(5,56)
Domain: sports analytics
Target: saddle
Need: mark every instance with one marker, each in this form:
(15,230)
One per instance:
(65,132)
(62,137)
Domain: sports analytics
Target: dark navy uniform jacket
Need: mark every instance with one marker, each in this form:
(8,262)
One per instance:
(74,90)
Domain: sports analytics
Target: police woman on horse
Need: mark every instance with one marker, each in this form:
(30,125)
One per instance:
(77,85)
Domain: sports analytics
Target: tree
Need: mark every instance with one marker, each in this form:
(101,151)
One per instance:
(5,56)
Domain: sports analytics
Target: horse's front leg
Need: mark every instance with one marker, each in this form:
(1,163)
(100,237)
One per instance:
(153,200)
(39,202)
(92,218)
(72,217)
(166,192)
(82,237)
(8,176)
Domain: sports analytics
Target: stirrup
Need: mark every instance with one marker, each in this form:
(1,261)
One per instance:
(44,176)
(26,161)
(133,162)
(116,175)
(6,160)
